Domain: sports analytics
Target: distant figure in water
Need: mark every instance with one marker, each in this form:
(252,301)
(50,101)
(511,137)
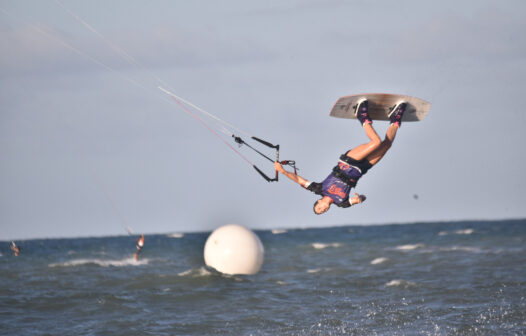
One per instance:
(140,245)
(15,249)
(335,189)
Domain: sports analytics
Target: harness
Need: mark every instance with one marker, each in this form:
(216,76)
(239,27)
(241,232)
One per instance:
(340,174)
(361,166)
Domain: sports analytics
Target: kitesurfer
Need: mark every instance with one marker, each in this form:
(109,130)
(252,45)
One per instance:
(140,245)
(353,164)
(15,249)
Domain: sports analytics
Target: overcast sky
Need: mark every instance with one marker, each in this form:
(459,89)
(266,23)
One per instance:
(85,151)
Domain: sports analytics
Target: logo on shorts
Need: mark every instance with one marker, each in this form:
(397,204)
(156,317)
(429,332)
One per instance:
(343,166)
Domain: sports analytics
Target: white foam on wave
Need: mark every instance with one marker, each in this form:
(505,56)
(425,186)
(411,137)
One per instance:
(102,262)
(195,272)
(464,232)
(321,246)
(379,261)
(409,247)
(313,270)
(279,231)
(175,235)
(400,283)
(461,248)
(457,232)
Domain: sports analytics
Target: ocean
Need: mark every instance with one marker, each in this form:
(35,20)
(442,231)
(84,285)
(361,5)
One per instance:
(448,278)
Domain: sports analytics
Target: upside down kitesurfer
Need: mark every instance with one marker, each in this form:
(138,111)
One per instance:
(353,164)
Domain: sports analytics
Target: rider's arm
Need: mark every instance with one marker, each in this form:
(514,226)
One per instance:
(294,177)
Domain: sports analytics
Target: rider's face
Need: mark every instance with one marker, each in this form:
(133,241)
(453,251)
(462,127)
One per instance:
(321,207)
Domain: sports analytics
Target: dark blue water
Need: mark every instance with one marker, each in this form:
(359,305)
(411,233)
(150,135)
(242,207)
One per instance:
(463,278)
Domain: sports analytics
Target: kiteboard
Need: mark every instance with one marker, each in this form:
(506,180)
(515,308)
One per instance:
(380,104)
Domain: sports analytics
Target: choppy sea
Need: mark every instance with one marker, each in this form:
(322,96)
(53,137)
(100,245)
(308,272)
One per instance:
(454,278)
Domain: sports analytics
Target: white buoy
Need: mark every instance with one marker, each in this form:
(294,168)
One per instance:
(234,249)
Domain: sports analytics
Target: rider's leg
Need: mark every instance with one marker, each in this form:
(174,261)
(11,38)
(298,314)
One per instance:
(364,150)
(379,152)
(395,117)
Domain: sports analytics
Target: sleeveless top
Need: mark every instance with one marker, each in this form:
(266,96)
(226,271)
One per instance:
(341,180)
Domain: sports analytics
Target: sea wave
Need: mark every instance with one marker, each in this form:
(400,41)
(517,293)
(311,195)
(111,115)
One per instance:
(101,262)
(461,248)
(409,247)
(321,246)
(195,272)
(400,283)
(379,260)
(279,231)
(175,235)
(457,232)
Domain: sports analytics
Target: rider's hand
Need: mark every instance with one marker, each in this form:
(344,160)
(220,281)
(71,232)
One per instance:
(357,199)
(278,167)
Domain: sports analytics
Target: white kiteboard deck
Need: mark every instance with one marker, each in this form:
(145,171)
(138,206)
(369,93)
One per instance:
(380,104)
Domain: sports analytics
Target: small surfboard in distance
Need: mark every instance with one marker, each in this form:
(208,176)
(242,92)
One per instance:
(380,104)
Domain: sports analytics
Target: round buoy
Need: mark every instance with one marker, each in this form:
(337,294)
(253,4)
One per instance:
(234,249)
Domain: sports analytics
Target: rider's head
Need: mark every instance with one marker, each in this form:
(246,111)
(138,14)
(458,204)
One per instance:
(321,206)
